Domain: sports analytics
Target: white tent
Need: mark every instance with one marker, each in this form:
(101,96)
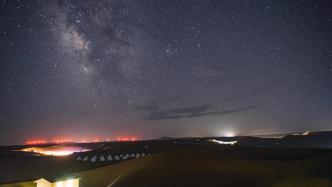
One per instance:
(121,155)
(126,157)
(94,159)
(143,154)
(79,158)
(109,158)
(102,158)
(116,157)
(132,155)
(138,155)
(85,158)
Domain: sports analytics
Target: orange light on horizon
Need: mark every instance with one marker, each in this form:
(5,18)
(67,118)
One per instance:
(126,139)
(80,140)
(58,150)
(62,140)
(36,142)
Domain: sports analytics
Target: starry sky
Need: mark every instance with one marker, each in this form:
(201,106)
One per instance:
(151,68)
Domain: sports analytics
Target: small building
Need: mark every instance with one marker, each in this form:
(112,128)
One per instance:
(58,182)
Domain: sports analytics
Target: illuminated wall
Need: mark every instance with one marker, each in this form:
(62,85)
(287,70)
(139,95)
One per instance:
(43,183)
(65,183)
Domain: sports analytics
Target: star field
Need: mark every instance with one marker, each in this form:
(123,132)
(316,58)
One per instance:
(163,68)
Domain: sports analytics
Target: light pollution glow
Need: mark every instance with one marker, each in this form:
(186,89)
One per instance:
(84,140)
(55,150)
(224,142)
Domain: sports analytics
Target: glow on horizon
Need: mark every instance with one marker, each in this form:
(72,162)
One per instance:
(35,142)
(55,150)
(228,133)
(121,138)
(127,139)
(224,142)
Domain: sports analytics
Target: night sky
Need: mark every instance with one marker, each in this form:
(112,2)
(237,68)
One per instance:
(151,68)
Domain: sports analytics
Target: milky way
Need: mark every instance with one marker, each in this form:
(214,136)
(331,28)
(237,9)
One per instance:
(163,68)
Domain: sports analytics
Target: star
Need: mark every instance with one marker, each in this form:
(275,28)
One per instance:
(187,67)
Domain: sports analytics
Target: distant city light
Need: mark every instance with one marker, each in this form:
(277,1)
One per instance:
(56,153)
(55,150)
(224,142)
(126,139)
(42,141)
(80,140)
(306,133)
(35,142)
(64,140)
(228,133)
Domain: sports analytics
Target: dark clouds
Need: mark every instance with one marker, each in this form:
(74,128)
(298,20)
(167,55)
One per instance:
(150,107)
(192,112)
(196,109)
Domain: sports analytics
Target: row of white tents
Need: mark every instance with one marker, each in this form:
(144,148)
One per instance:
(103,158)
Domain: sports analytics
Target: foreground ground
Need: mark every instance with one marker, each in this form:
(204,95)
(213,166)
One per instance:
(215,165)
